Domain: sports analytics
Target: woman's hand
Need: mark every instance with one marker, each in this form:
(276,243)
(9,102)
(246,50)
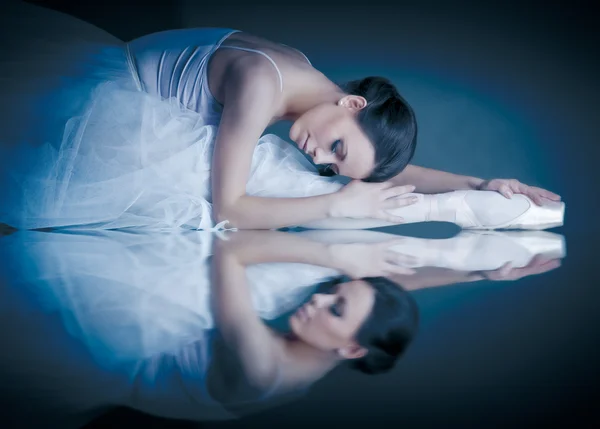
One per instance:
(508,187)
(507,272)
(360,199)
(359,260)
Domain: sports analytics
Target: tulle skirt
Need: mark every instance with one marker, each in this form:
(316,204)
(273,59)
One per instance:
(132,160)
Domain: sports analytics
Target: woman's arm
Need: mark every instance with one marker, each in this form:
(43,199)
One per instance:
(354,254)
(268,361)
(249,102)
(257,349)
(260,247)
(429,181)
(430,277)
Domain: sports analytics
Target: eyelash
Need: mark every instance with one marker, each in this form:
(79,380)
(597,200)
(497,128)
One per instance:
(333,310)
(334,147)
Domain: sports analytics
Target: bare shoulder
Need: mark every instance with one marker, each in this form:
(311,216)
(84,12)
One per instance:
(250,79)
(251,101)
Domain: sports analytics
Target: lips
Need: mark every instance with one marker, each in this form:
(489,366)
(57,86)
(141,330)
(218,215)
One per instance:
(304,145)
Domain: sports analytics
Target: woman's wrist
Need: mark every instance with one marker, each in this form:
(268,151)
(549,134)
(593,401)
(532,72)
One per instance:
(334,255)
(334,205)
(475,183)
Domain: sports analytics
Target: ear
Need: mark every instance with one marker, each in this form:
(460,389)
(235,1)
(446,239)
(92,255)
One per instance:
(353,102)
(352,351)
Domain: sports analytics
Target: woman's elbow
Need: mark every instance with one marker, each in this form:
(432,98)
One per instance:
(228,213)
(224,214)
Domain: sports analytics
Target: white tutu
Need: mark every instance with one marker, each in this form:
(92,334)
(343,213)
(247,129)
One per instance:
(132,160)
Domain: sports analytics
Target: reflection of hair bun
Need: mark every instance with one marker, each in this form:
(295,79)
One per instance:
(389,329)
(375,363)
(383,355)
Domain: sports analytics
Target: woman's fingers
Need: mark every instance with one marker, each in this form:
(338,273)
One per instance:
(388,217)
(395,203)
(544,193)
(396,191)
(383,185)
(550,195)
(536,194)
(396,269)
(505,190)
(401,259)
(392,242)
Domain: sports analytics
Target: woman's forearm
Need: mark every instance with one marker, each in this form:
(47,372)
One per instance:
(251,212)
(429,277)
(259,247)
(430,181)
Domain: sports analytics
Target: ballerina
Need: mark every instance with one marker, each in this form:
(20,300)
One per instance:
(162,132)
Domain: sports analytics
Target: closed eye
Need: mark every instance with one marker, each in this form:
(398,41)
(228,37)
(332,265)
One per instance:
(333,168)
(337,309)
(336,144)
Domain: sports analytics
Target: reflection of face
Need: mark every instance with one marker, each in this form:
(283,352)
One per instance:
(335,138)
(331,321)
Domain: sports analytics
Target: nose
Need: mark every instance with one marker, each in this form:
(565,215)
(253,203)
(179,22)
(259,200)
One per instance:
(322,300)
(322,157)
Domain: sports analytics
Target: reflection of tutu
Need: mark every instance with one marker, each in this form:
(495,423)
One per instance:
(131,296)
(140,306)
(82,147)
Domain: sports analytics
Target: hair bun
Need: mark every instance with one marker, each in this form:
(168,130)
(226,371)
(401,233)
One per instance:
(388,121)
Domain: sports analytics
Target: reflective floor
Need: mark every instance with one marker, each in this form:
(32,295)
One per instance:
(246,329)
(121,326)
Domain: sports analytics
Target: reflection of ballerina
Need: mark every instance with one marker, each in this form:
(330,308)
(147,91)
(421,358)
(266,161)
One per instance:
(368,321)
(139,303)
(71,272)
(104,154)
(349,322)
(109,296)
(109,287)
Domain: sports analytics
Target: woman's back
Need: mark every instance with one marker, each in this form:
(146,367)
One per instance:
(190,64)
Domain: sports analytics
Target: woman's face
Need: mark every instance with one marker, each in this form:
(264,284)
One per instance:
(330,134)
(331,321)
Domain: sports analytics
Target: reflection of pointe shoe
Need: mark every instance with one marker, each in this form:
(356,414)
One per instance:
(495,248)
(468,251)
(454,207)
(483,250)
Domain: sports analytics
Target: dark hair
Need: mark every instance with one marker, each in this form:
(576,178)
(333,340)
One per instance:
(389,122)
(390,327)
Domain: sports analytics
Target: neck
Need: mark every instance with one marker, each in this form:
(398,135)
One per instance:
(320,360)
(309,92)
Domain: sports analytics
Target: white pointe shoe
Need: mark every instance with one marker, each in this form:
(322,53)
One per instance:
(453,207)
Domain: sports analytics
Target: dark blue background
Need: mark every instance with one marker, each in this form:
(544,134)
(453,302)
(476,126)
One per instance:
(501,89)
